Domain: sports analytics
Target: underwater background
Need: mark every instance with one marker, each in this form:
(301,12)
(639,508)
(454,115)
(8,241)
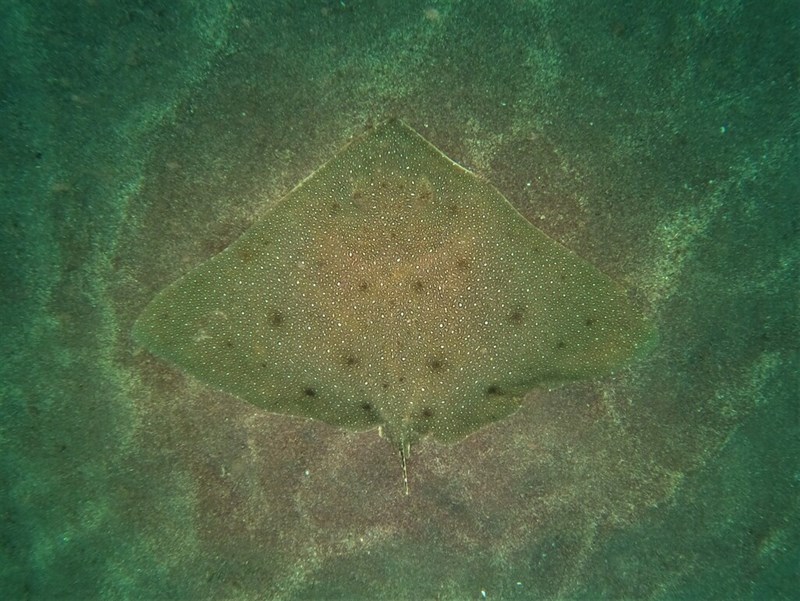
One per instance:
(657,141)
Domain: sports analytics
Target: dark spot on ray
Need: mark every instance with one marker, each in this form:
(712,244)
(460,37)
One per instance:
(366,407)
(462,263)
(427,412)
(493,390)
(245,254)
(385,385)
(309,392)
(401,379)
(351,360)
(363,286)
(276,318)
(561,344)
(436,363)
(453,209)
(417,285)
(334,208)
(228,344)
(589,322)
(517,316)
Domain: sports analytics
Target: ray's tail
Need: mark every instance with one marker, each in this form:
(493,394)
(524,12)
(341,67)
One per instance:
(405,451)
